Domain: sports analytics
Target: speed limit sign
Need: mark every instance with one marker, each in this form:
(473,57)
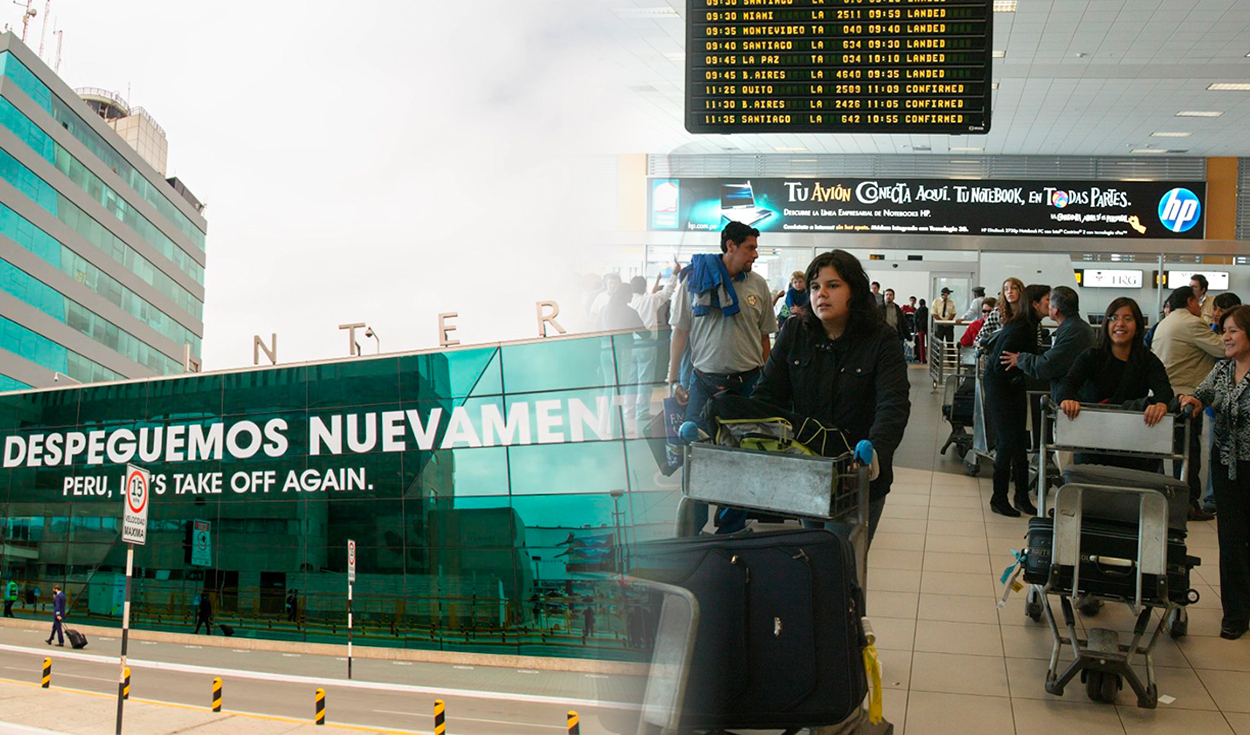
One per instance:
(136,492)
(351,561)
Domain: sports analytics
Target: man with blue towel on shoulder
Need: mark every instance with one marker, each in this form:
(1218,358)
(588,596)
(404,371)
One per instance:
(723,313)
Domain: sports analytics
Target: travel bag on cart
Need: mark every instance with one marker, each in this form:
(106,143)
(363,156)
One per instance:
(962,403)
(780,641)
(1101,538)
(76,639)
(1120,507)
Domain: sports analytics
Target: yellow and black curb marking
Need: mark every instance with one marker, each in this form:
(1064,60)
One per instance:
(319,709)
(440,717)
(126,684)
(47,673)
(574,727)
(217,694)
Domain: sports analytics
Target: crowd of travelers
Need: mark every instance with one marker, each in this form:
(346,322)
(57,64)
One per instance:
(842,346)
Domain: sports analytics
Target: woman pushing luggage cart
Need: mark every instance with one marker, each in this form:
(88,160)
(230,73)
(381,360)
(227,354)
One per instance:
(1117,535)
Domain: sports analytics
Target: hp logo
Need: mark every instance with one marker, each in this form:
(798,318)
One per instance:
(1179,210)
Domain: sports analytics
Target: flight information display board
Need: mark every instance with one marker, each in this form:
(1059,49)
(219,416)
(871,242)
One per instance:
(838,66)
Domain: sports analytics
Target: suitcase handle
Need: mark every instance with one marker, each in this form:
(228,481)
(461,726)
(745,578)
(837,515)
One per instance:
(1119,566)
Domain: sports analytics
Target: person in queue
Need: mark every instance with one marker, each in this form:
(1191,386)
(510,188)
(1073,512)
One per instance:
(796,294)
(943,310)
(974,308)
(1150,333)
(974,328)
(1206,304)
(723,311)
(1119,370)
(922,330)
(1006,397)
(1223,304)
(841,365)
(1008,307)
(1073,337)
(1227,389)
(894,317)
(1188,349)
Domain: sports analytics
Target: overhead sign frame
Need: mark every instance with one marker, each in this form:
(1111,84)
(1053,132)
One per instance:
(812,66)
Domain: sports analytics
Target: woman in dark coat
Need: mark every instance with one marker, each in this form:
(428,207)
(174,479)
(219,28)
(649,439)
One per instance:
(1119,370)
(1006,399)
(841,365)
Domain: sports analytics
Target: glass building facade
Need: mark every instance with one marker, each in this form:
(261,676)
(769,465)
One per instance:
(493,494)
(101,258)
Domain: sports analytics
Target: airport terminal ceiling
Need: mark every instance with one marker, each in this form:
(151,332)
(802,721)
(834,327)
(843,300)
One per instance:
(1070,78)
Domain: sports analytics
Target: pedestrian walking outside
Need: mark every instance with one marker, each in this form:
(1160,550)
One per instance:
(58,616)
(10,598)
(204,614)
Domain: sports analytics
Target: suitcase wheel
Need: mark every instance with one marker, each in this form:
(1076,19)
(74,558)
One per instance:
(972,465)
(1178,623)
(1089,606)
(1033,605)
(1102,686)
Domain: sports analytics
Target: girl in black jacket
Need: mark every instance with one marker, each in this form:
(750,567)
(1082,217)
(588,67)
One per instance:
(841,365)
(1006,399)
(1119,370)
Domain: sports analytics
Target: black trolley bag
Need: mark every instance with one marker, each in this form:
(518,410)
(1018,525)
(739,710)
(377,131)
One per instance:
(1110,530)
(780,640)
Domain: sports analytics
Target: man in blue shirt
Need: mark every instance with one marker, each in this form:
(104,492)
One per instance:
(58,614)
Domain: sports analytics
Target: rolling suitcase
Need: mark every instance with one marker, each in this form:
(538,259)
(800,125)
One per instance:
(780,641)
(226,630)
(1102,538)
(76,640)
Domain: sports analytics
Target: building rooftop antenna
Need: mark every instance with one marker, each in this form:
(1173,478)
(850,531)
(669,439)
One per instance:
(26,15)
(43,29)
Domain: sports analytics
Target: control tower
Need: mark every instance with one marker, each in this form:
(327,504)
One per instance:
(133,124)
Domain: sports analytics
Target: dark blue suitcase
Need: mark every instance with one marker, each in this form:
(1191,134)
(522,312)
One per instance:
(780,640)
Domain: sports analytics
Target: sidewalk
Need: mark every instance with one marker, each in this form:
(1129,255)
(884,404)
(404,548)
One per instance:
(29,710)
(569,685)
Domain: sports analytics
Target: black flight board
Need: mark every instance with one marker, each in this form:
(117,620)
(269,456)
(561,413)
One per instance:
(838,66)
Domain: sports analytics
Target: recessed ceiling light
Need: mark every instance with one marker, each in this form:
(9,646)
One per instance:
(1170,135)
(1005,6)
(802,160)
(1230,87)
(1150,150)
(966,162)
(661,12)
(789,149)
(1199,113)
(998,54)
(993,85)
(963,149)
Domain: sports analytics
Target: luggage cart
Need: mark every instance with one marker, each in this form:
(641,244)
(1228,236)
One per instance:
(817,489)
(958,407)
(1135,517)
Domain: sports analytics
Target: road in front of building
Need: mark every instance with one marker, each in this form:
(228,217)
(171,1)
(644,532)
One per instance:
(382,694)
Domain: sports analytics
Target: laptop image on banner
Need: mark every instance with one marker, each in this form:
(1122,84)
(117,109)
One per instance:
(737,204)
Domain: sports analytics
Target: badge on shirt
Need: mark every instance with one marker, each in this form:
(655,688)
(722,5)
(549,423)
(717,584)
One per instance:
(753,300)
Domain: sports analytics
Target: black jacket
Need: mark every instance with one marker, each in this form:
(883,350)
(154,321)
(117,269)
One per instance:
(857,384)
(1018,336)
(1143,377)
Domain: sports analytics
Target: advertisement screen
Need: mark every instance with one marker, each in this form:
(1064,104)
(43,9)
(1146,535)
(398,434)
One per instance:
(1112,209)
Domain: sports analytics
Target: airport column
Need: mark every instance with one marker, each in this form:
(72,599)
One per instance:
(135,492)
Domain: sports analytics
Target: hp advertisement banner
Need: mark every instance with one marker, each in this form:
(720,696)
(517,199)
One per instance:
(1112,209)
